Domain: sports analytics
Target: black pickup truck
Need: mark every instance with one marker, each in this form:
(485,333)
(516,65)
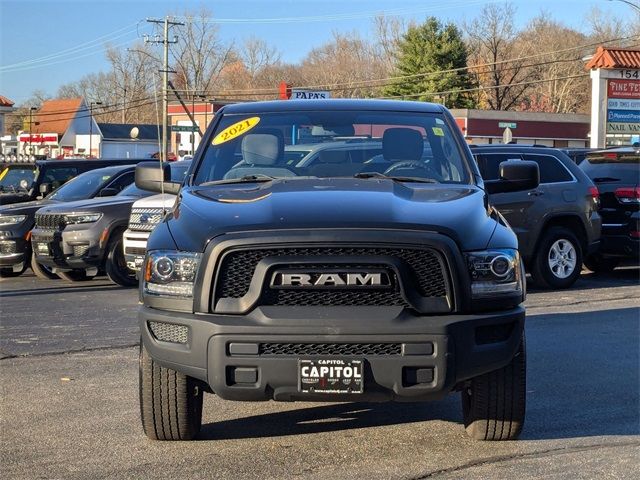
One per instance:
(371,279)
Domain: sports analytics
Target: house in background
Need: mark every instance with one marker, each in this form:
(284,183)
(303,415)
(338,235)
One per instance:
(120,140)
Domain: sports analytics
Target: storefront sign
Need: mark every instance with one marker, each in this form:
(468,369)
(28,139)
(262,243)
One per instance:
(622,73)
(39,138)
(623,128)
(297,94)
(619,104)
(626,89)
(623,116)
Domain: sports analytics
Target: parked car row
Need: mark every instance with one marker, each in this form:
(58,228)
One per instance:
(578,215)
(74,232)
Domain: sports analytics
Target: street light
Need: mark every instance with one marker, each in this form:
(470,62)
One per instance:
(91,125)
(31,110)
(632,5)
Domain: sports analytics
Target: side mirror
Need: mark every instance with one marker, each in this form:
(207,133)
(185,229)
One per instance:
(108,192)
(515,176)
(45,188)
(155,178)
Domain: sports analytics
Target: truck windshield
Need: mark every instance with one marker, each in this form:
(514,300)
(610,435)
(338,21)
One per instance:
(85,185)
(11,178)
(366,144)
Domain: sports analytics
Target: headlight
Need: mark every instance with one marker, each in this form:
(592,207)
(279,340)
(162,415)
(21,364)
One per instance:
(82,218)
(170,273)
(12,219)
(495,272)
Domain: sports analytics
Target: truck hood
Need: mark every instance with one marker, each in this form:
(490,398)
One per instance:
(164,200)
(205,212)
(90,205)
(25,208)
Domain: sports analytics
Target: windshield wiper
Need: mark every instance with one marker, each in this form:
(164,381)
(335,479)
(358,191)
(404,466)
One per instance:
(394,178)
(244,179)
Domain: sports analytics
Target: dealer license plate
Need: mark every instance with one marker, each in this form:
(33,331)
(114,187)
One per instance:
(43,249)
(331,375)
(138,261)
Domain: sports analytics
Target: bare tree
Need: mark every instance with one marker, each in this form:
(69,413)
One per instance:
(256,54)
(199,56)
(388,31)
(605,26)
(554,92)
(492,39)
(19,120)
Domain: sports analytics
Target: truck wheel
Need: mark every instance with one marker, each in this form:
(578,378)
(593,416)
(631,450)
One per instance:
(493,406)
(558,261)
(41,271)
(116,266)
(170,402)
(599,264)
(74,276)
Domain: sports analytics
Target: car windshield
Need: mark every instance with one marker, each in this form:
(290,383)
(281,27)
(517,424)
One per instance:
(16,178)
(85,185)
(178,172)
(366,144)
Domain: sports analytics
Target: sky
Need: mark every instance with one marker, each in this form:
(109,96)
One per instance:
(47,43)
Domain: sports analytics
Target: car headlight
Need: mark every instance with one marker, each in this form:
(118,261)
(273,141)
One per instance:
(495,272)
(12,219)
(170,273)
(82,218)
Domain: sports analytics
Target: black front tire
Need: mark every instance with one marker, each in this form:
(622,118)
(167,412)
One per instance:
(546,276)
(116,266)
(599,264)
(493,404)
(41,271)
(170,402)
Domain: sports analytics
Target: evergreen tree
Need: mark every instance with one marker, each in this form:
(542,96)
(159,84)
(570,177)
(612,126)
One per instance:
(424,50)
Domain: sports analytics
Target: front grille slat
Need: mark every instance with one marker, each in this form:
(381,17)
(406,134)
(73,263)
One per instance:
(135,250)
(425,271)
(153,217)
(49,221)
(344,349)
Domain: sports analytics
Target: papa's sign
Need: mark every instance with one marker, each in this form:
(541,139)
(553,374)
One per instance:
(298,94)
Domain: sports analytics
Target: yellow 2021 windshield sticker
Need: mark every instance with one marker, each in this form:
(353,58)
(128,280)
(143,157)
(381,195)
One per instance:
(235,130)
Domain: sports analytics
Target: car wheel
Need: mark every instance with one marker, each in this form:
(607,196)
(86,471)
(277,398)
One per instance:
(170,402)
(9,273)
(599,264)
(558,260)
(493,405)
(42,271)
(74,276)
(116,266)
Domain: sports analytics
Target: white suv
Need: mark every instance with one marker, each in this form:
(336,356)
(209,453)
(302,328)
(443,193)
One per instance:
(146,213)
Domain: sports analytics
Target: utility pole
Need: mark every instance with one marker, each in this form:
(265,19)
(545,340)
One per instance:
(91,126)
(31,110)
(165,75)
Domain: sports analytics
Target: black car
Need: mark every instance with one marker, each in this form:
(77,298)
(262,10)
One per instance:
(557,223)
(17,220)
(23,182)
(391,279)
(616,172)
(78,239)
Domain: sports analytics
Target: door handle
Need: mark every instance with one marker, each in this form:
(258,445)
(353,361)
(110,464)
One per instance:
(535,193)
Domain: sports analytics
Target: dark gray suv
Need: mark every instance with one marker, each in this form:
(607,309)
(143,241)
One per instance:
(557,223)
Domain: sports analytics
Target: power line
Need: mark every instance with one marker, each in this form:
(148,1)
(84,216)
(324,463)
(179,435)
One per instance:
(72,50)
(344,16)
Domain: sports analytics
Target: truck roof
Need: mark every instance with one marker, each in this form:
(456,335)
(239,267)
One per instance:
(333,104)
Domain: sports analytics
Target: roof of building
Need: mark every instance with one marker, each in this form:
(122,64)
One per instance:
(54,116)
(614,58)
(5,102)
(122,131)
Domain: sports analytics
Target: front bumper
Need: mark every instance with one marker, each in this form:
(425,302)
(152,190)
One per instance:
(135,248)
(14,252)
(68,250)
(225,350)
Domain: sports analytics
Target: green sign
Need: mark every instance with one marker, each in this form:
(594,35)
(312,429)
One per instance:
(184,128)
(511,125)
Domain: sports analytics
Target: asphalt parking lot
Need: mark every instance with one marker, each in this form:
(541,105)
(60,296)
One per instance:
(68,380)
